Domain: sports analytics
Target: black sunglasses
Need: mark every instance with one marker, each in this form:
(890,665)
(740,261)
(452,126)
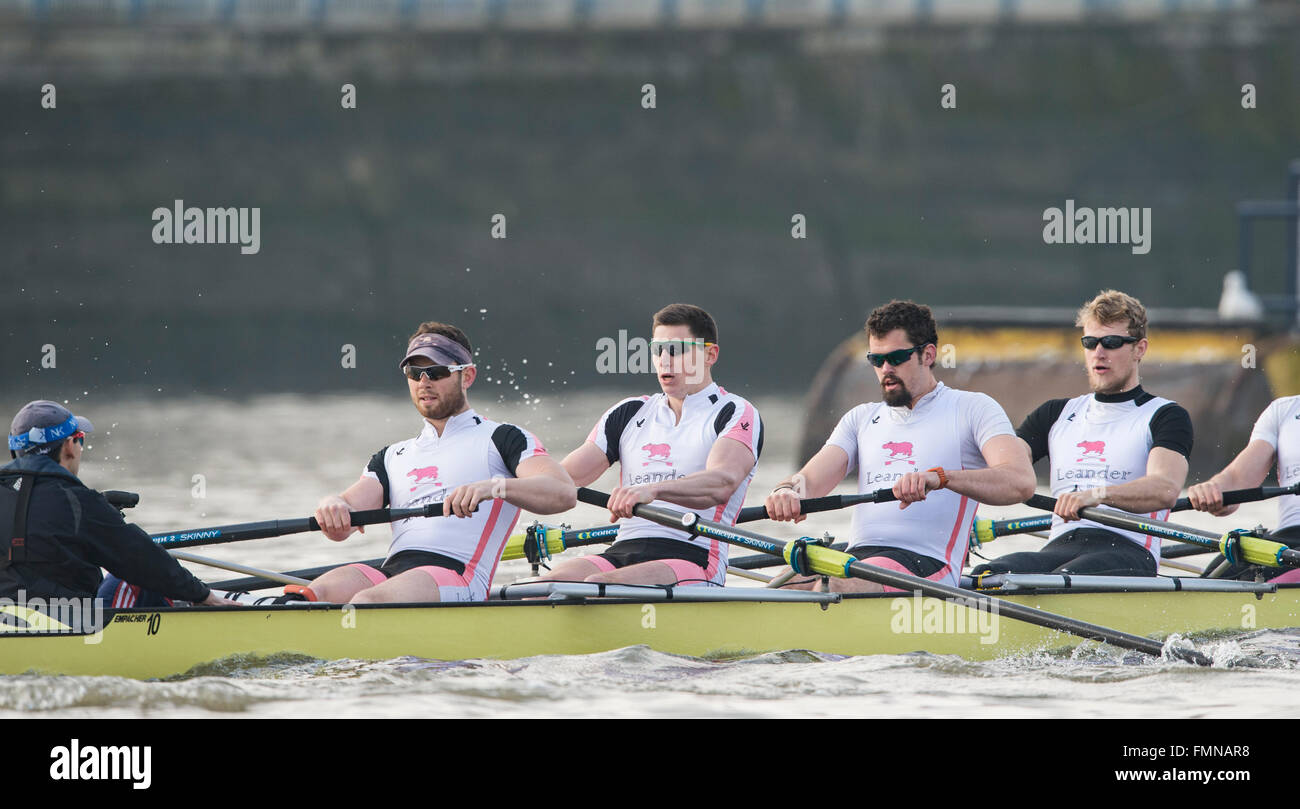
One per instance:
(433,372)
(1109,342)
(893,357)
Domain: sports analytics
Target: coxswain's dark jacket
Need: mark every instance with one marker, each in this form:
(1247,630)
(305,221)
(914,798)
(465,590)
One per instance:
(72,532)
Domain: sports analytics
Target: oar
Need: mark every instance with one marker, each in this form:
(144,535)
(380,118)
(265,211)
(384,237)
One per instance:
(985,530)
(558,539)
(815,504)
(1234,545)
(276,528)
(259,582)
(823,561)
(282,578)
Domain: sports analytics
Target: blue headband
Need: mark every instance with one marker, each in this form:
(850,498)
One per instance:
(43,435)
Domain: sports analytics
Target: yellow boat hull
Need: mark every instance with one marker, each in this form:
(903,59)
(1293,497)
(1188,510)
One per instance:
(159,643)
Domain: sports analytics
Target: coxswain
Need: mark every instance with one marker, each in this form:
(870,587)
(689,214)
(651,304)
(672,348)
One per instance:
(691,446)
(482,471)
(61,533)
(1118,447)
(941,450)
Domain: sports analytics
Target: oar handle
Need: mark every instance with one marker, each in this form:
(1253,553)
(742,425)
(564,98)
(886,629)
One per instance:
(809,506)
(814,504)
(1232,498)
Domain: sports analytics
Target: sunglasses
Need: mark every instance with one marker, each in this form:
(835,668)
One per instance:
(675,348)
(1109,342)
(79,437)
(433,372)
(894,357)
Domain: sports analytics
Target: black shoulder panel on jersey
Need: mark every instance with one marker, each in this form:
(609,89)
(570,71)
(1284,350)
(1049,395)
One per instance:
(724,416)
(1036,426)
(376,465)
(510,443)
(616,423)
(758,422)
(1171,428)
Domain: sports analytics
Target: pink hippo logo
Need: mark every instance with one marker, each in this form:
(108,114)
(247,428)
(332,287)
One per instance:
(1093,448)
(657,453)
(422,474)
(899,452)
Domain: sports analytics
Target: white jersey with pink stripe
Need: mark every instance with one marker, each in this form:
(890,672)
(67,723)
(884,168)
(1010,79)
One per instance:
(946,428)
(643,435)
(426,468)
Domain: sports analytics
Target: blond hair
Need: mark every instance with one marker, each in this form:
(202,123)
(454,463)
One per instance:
(1112,306)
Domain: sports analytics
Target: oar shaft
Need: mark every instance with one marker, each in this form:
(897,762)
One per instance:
(274,528)
(283,578)
(261,582)
(1236,496)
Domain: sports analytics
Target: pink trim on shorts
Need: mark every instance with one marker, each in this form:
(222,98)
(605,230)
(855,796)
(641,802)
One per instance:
(1289,577)
(688,572)
(374,575)
(898,567)
(443,577)
(599,561)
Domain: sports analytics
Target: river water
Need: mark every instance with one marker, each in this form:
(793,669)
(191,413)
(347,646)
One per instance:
(199,462)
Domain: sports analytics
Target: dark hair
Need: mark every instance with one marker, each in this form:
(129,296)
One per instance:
(913,318)
(696,319)
(446,330)
(54,449)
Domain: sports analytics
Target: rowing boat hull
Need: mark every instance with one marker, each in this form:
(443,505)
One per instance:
(159,643)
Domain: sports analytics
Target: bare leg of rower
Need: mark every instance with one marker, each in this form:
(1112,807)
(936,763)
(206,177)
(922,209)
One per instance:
(576,569)
(339,585)
(413,585)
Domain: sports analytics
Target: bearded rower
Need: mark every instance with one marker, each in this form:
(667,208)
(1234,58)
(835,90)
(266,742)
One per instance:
(1117,447)
(459,458)
(693,445)
(1275,439)
(940,449)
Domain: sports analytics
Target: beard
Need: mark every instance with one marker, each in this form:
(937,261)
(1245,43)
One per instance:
(898,397)
(444,408)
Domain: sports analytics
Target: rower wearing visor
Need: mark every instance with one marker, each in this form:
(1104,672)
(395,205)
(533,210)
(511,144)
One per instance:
(483,472)
(1117,447)
(693,445)
(941,450)
(1274,441)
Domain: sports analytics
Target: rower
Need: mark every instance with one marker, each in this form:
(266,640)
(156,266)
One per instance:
(61,532)
(1117,447)
(693,445)
(941,449)
(459,458)
(1275,439)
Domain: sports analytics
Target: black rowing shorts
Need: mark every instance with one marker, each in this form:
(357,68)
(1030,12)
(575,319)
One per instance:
(652,549)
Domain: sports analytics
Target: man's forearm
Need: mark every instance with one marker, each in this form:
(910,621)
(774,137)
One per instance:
(995,486)
(540,494)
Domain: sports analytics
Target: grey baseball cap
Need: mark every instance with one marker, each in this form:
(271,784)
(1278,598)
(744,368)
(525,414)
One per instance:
(43,422)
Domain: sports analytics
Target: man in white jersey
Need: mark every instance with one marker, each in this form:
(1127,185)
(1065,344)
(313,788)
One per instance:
(941,450)
(1117,447)
(1276,438)
(692,446)
(460,459)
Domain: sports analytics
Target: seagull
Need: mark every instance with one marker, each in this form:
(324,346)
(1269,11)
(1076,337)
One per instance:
(1237,301)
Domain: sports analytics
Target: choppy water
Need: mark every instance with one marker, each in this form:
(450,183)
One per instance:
(274,457)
